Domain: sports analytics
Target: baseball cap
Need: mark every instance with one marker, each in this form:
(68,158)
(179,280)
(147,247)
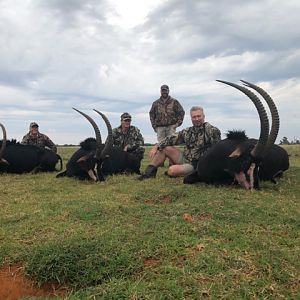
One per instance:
(33,124)
(164,87)
(125,116)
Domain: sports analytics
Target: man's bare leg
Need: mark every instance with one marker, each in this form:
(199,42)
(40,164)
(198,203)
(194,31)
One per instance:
(158,157)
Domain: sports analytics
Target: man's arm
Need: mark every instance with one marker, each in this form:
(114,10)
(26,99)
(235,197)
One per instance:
(215,135)
(50,144)
(115,139)
(25,139)
(171,140)
(180,113)
(212,136)
(136,140)
(152,116)
(139,138)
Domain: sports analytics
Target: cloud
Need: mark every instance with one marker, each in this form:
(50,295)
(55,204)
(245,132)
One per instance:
(114,56)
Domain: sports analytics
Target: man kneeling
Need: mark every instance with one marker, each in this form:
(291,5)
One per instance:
(197,139)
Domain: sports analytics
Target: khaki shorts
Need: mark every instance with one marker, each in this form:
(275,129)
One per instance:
(188,168)
(164,131)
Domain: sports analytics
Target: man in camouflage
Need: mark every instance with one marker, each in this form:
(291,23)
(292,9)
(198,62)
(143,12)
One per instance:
(128,137)
(34,137)
(197,140)
(166,114)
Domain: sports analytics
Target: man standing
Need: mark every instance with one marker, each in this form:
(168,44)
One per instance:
(128,137)
(196,139)
(166,114)
(34,137)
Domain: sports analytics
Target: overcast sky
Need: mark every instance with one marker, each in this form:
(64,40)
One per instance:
(114,55)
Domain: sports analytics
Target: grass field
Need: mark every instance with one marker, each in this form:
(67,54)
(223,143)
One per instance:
(156,239)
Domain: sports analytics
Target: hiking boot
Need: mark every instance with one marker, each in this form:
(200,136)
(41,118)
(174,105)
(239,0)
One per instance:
(150,172)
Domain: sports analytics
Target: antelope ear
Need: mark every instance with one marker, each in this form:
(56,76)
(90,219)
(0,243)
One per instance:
(83,158)
(236,153)
(3,162)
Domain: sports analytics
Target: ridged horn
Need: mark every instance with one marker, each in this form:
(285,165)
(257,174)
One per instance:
(96,129)
(260,146)
(3,146)
(109,140)
(274,113)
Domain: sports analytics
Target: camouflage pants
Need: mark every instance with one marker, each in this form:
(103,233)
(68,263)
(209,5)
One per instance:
(165,131)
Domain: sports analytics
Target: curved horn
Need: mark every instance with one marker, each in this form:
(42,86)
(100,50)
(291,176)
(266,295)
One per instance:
(109,139)
(259,148)
(274,113)
(97,131)
(3,146)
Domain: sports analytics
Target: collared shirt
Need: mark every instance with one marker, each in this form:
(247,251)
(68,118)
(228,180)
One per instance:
(40,140)
(196,139)
(133,139)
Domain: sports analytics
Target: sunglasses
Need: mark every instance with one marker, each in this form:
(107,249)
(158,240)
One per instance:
(127,120)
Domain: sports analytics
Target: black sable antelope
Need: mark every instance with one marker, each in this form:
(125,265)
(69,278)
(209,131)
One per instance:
(18,158)
(95,160)
(238,159)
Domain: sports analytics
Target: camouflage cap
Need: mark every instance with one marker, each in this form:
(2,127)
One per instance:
(164,87)
(33,124)
(125,116)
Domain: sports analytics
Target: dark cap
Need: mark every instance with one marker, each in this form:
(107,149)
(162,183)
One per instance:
(125,116)
(164,87)
(33,124)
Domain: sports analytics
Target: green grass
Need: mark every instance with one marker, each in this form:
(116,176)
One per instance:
(125,239)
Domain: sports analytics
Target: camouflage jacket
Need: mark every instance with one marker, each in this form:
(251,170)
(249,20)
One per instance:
(197,140)
(40,140)
(133,139)
(165,113)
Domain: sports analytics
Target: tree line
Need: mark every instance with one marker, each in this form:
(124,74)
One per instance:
(285,141)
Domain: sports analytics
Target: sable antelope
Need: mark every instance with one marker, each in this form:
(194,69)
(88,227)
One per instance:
(19,158)
(95,160)
(240,159)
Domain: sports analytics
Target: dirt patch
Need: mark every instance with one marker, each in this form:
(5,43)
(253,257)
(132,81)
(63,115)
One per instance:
(15,285)
(187,217)
(161,199)
(151,262)
(190,218)
(205,217)
(166,199)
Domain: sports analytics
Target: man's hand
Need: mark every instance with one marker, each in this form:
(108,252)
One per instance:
(125,148)
(153,151)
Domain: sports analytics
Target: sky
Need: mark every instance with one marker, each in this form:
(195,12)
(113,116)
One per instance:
(113,56)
